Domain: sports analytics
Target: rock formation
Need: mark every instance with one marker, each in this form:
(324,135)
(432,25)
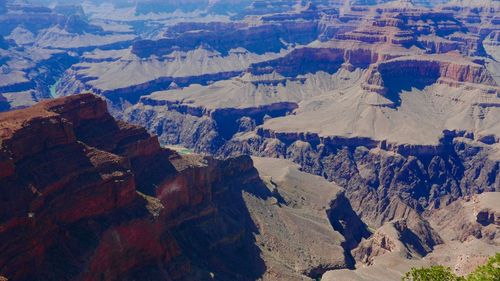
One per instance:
(41,43)
(87,197)
(81,192)
(350,36)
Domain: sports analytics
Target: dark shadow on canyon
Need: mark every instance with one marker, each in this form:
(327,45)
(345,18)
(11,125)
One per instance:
(396,83)
(345,221)
(224,243)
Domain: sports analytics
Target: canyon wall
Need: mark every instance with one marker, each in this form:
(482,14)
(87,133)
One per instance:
(381,184)
(85,197)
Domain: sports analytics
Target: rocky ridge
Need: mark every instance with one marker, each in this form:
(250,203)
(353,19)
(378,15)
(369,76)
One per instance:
(87,209)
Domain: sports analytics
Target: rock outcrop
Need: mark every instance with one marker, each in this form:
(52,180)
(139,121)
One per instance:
(306,226)
(418,72)
(85,197)
(411,238)
(474,217)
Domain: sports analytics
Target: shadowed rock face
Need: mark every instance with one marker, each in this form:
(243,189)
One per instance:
(73,184)
(258,39)
(383,185)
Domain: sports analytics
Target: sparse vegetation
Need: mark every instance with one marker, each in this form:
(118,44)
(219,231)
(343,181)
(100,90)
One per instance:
(434,273)
(185,151)
(154,205)
(488,272)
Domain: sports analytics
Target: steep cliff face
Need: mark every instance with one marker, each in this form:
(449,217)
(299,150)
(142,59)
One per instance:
(47,160)
(384,185)
(71,208)
(393,76)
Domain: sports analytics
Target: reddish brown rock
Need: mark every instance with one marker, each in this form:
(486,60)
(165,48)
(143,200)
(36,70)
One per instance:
(420,71)
(70,207)
(6,165)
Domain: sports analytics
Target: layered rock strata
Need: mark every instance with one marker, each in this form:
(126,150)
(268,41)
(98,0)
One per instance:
(86,197)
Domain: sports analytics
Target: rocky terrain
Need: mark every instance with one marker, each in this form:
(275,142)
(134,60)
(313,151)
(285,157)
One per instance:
(75,200)
(40,43)
(340,110)
(400,113)
(340,138)
(85,197)
(461,246)
(99,198)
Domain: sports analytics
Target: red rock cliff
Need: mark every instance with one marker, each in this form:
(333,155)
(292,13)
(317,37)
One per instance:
(77,194)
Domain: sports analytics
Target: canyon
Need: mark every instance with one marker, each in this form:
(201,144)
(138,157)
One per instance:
(248,140)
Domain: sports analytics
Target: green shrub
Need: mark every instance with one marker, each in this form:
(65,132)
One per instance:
(434,273)
(488,272)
